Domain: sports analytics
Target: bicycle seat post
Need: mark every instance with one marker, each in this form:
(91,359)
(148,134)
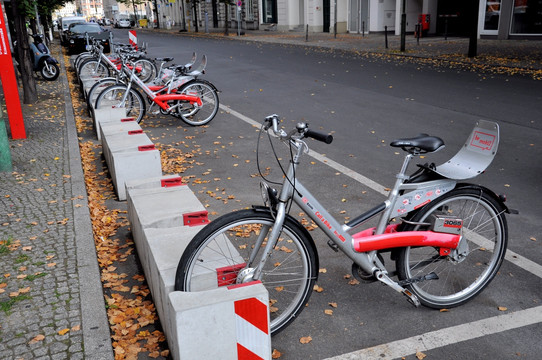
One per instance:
(394,193)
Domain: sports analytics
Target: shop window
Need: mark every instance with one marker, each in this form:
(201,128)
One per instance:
(527,17)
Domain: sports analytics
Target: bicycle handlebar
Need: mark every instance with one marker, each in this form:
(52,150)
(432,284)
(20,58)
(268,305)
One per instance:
(325,138)
(302,129)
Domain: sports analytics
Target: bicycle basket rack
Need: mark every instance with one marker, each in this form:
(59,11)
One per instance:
(476,155)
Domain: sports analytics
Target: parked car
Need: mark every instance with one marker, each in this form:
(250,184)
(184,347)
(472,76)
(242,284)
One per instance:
(65,22)
(77,36)
(122,22)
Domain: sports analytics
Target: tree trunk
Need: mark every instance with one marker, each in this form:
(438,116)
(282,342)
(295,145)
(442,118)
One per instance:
(30,93)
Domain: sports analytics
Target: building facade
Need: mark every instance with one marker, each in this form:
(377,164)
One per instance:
(500,19)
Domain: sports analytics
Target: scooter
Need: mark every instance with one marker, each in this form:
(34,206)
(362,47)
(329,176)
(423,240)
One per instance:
(43,62)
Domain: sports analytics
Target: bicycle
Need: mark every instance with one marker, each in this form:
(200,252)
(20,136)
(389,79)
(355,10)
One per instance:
(447,238)
(164,75)
(195,101)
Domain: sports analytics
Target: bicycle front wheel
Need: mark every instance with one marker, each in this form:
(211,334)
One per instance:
(115,96)
(92,69)
(470,268)
(97,89)
(194,114)
(228,250)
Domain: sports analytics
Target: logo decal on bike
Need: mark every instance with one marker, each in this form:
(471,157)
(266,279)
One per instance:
(482,140)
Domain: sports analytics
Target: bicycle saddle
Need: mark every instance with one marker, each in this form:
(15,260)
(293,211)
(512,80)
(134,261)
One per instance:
(422,143)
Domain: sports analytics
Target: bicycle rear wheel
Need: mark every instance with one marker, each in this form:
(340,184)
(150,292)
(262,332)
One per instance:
(146,70)
(113,97)
(193,114)
(470,268)
(227,251)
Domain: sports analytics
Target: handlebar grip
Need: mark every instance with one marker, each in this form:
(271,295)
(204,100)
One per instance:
(326,138)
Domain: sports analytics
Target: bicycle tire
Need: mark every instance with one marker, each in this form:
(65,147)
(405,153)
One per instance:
(91,69)
(112,97)
(483,245)
(98,87)
(194,114)
(82,57)
(289,274)
(148,70)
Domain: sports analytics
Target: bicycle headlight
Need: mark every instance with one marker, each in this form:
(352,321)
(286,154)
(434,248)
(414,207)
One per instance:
(269,195)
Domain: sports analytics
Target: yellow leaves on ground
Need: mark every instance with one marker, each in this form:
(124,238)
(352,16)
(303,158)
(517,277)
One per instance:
(305,340)
(276,354)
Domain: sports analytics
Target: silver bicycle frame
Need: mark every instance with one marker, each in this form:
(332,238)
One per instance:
(395,205)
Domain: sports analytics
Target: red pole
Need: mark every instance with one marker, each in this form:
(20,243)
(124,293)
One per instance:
(9,84)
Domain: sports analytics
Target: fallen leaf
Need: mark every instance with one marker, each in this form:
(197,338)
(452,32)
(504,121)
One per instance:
(502,308)
(420,355)
(318,289)
(63,331)
(276,354)
(333,304)
(305,340)
(328,312)
(36,339)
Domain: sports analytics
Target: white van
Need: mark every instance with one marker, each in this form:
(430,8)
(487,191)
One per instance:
(65,23)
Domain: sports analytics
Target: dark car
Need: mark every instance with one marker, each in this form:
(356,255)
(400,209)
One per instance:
(77,36)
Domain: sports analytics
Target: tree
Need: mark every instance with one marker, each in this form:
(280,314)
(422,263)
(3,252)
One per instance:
(18,11)
(21,12)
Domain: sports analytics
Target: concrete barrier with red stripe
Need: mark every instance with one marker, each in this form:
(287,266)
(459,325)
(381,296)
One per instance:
(106,115)
(165,215)
(130,155)
(225,323)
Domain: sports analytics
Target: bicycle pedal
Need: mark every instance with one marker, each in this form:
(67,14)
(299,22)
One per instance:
(333,246)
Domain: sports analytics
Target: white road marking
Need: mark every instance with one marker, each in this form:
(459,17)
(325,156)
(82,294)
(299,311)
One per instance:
(443,337)
(447,336)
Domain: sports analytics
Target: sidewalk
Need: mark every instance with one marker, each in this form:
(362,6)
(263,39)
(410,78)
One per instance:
(51,297)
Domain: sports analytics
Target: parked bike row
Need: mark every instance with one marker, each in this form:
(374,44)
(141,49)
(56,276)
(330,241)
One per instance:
(129,78)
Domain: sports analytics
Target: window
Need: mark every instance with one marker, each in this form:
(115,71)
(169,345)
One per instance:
(527,17)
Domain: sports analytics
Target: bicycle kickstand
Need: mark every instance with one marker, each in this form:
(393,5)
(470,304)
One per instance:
(385,279)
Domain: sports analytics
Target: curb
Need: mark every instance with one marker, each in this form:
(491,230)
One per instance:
(95,325)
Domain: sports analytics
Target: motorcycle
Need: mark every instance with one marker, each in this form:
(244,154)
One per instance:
(43,62)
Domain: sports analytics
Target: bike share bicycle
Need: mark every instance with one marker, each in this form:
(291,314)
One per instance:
(447,238)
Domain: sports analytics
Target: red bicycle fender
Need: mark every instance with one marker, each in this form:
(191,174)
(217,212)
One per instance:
(405,238)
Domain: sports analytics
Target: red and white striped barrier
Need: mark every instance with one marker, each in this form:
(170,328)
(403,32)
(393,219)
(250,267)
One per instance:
(226,323)
(252,325)
(132,36)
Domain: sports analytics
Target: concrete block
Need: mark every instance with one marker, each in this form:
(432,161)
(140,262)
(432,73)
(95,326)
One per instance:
(125,143)
(226,323)
(163,207)
(133,164)
(160,254)
(119,127)
(106,115)
(155,182)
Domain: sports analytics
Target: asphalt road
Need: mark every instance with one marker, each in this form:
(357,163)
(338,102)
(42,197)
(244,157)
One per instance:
(366,103)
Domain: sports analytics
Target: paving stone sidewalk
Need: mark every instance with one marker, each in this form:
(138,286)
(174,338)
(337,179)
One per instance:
(51,300)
